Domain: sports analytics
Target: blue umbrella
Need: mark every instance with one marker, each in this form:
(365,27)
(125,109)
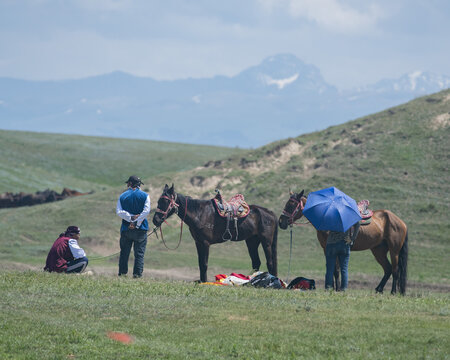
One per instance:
(331,209)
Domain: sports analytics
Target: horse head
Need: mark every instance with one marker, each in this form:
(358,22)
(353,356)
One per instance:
(167,206)
(293,209)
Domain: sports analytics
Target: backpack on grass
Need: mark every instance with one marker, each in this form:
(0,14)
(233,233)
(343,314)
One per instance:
(302,283)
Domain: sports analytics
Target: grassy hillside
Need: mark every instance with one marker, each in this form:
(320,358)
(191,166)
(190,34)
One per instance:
(49,316)
(37,161)
(398,159)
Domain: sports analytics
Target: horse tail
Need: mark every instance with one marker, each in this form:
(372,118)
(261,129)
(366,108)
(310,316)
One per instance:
(403,265)
(274,249)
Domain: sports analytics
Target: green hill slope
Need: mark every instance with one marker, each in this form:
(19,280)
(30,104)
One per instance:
(36,161)
(398,159)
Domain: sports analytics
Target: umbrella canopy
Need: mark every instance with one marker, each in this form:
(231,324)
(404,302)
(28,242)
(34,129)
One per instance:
(331,209)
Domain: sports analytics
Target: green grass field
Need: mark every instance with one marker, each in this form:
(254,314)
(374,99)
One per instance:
(398,159)
(51,316)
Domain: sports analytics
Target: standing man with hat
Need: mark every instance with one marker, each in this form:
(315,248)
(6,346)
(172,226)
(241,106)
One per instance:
(66,255)
(133,208)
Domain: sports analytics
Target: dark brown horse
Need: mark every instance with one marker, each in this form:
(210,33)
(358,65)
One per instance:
(207,227)
(386,233)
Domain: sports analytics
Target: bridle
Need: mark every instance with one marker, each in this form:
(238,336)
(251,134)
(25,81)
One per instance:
(165,214)
(172,204)
(291,216)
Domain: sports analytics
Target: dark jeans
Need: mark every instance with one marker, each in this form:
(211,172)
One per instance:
(341,251)
(137,239)
(77,266)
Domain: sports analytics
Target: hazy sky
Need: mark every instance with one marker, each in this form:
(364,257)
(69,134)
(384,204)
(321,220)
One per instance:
(352,42)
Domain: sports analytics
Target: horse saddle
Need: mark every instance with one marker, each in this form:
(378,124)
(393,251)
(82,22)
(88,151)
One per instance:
(365,212)
(236,207)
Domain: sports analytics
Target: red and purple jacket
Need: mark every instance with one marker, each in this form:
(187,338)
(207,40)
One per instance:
(59,255)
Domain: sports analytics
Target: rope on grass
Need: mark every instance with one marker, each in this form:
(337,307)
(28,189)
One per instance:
(104,257)
(117,253)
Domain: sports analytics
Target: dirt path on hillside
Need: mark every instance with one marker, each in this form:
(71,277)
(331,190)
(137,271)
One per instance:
(356,281)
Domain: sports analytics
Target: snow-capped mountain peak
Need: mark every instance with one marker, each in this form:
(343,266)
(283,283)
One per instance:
(284,71)
(280,83)
(416,83)
(413,77)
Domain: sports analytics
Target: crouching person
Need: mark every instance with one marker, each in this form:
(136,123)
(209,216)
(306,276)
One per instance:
(66,255)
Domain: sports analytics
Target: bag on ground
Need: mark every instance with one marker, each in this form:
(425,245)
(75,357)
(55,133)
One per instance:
(302,284)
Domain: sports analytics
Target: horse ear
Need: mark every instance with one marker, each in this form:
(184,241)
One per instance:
(166,187)
(301,194)
(171,190)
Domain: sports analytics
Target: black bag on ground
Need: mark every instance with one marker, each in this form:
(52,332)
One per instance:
(265,280)
(302,284)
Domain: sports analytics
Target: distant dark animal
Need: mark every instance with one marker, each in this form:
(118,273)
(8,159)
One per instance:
(6,200)
(207,227)
(68,193)
(386,233)
(9,200)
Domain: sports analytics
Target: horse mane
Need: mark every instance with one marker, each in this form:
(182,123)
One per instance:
(192,204)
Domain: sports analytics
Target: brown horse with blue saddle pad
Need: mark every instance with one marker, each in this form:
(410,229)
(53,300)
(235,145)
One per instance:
(382,232)
(208,225)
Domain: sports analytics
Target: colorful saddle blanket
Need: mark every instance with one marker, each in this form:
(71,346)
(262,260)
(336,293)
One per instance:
(366,213)
(236,207)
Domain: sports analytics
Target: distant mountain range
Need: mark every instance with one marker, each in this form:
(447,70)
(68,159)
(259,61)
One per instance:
(281,97)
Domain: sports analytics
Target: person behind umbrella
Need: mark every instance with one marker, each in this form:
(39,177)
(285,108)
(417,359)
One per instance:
(66,256)
(338,247)
(332,210)
(133,207)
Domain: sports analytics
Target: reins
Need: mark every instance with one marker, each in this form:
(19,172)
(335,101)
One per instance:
(117,253)
(290,257)
(165,213)
(104,257)
(291,222)
(290,245)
